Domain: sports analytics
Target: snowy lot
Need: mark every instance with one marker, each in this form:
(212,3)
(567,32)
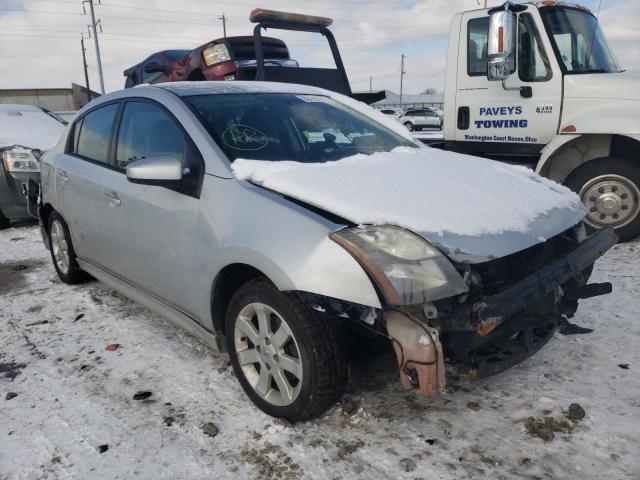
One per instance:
(74,415)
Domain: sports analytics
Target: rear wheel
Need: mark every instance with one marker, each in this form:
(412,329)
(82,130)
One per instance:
(610,189)
(62,252)
(289,359)
(409,126)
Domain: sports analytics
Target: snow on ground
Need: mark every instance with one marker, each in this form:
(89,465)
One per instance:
(75,399)
(466,195)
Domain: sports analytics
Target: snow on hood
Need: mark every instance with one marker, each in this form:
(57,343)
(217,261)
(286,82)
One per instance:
(28,127)
(456,201)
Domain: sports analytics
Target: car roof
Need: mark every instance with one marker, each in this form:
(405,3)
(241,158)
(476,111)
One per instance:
(184,89)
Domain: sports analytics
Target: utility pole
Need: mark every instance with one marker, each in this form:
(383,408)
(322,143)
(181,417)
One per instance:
(84,64)
(93,26)
(370,84)
(402,72)
(224,24)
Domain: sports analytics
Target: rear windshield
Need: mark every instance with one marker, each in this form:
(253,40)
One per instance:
(301,128)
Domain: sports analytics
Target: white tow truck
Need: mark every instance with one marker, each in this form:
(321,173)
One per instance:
(537,84)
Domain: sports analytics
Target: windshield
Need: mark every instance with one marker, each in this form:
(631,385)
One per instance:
(579,41)
(302,128)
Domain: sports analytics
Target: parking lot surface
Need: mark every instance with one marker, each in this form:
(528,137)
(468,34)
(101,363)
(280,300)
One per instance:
(73,358)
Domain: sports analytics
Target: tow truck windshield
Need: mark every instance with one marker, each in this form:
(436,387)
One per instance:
(301,128)
(579,41)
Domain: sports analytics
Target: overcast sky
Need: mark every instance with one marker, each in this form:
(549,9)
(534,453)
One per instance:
(40,39)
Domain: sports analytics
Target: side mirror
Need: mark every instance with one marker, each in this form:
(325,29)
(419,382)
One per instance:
(154,67)
(155,169)
(499,45)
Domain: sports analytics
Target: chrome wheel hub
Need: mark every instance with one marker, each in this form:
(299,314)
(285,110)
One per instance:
(268,354)
(611,201)
(59,246)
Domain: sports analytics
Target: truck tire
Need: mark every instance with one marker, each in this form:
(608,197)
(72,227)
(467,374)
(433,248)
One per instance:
(610,189)
(4,221)
(409,126)
(290,360)
(62,253)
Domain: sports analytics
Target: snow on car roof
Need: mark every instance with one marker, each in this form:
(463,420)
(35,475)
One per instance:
(28,126)
(7,108)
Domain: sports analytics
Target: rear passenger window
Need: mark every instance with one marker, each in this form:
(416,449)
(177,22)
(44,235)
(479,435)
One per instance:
(95,134)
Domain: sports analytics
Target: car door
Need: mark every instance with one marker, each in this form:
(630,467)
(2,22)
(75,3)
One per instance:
(78,178)
(152,229)
(491,119)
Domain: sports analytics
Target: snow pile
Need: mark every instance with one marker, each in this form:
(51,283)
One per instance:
(29,127)
(424,190)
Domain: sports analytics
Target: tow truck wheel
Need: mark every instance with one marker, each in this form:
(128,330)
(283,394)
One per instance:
(610,189)
(4,221)
(409,126)
(289,359)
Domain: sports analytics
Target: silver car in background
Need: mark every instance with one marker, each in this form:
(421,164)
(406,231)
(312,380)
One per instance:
(421,119)
(143,193)
(25,132)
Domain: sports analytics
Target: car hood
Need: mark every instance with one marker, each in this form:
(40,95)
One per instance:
(615,86)
(472,208)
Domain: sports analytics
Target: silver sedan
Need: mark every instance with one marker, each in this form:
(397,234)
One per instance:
(168,193)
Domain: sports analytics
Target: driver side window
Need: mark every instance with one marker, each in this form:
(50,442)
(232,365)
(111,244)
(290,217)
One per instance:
(533,64)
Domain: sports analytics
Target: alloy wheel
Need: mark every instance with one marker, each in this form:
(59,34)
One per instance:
(268,354)
(60,246)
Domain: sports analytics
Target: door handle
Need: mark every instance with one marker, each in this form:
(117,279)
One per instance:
(113,199)
(62,175)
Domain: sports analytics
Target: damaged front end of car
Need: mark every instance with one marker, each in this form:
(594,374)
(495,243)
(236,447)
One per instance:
(470,320)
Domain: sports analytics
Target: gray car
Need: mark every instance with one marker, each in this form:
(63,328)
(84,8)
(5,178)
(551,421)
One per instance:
(275,221)
(25,131)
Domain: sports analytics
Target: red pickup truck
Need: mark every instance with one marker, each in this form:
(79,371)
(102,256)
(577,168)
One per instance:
(231,58)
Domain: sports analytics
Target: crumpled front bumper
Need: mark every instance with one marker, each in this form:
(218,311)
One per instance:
(482,338)
(494,310)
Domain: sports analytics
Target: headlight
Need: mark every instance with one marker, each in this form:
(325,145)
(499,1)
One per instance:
(20,161)
(216,53)
(406,268)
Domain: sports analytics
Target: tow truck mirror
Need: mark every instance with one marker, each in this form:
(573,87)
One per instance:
(499,44)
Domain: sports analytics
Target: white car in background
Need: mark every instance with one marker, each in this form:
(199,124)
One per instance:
(421,118)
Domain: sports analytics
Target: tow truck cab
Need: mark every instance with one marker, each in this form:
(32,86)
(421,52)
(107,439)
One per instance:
(537,84)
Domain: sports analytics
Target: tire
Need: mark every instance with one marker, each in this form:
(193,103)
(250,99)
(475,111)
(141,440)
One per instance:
(315,344)
(68,270)
(4,221)
(409,126)
(615,181)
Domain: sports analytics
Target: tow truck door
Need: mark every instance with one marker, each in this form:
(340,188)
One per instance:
(499,123)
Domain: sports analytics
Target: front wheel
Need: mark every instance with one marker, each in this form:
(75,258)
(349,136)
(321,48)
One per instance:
(289,359)
(409,126)
(610,189)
